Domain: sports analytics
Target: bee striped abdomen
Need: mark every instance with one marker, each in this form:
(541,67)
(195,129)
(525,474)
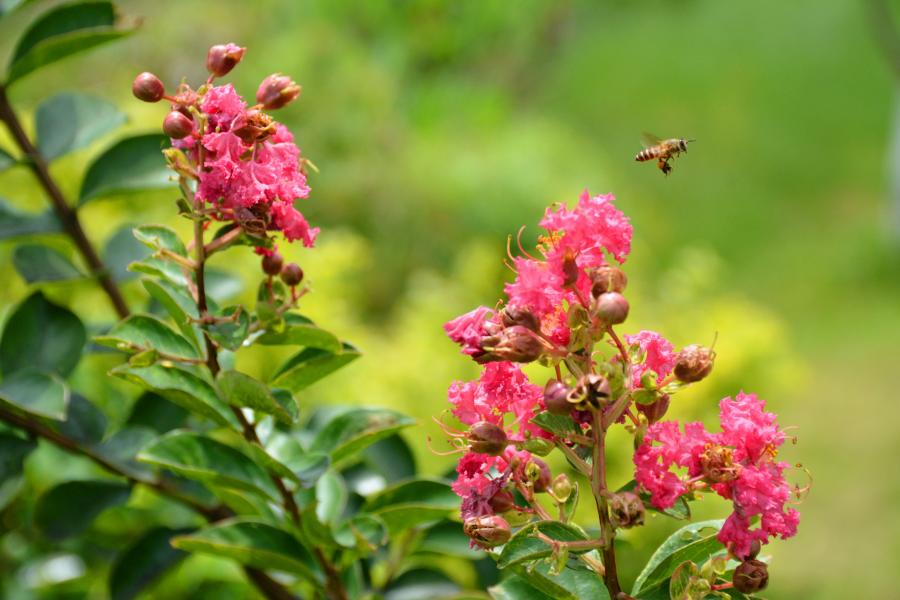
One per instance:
(650,154)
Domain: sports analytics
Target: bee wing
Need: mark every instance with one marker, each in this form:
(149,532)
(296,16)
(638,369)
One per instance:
(648,140)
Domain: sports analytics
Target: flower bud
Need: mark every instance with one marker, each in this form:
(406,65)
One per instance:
(271,265)
(252,220)
(487,438)
(593,390)
(626,510)
(750,577)
(502,502)
(276,92)
(523,317)
(694,363)
(539,446)
(570,269)
(556,398)
(253,126)
(538,473)
(656,411)
(177,126)
(649,380)
(291,274)
(223,58)
(576,316)
(562,487)
(612,308)
(607,278)
(518,345)
(488,531)
(755,547)
(148,87)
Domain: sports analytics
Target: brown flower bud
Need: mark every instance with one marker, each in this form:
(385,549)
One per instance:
(562,487)
(488,531)
(556,398)
(607,278)
(593,390)
(694,363)
(291,274)
(253,126)
(656,411)
(276,91)
(518,345)
(502,502)
(252,220)
(223,58)
(612,308)
(271,265)
(177,126)
(523,317)
(750,577)
(148,87)
(487,438)
(626,510)
(538,473)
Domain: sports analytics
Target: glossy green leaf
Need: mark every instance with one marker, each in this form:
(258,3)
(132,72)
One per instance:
(316,533)
(121,250)
(85,423)
(421,584)
(311,365)
(243,391)
(516,588)
(244,504)
(253,544)
(689,543)
(681,511)
(570,584)
(267,462)
(307,335)
(68,509)
(36,263)
(391,458)
(160,268)
(161,237)
(36,392)
(350,432)
(363,532)
(229,334)
(203,459)
(177,302)
(121,448)
(681,580)
(41,335)
(63,31)
(181,387)
(131,165)
(412,503)
(6,161)
(448,537)
(307,467)
(14,224)
(331,495)
(288,403)
(561,425)
(524,547)
(13,452)
(69,121)
(142,563)
(142,332)
(154,411)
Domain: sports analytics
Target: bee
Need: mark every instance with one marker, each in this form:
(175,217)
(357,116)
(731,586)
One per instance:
(663,150)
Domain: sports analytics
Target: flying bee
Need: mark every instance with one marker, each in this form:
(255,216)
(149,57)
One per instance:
(663,150)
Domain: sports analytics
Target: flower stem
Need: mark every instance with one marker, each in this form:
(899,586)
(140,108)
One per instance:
(598,484)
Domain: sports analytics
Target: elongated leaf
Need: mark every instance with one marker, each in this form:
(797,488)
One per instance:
(412,503)
(63,31)
(316,532)
(142,332)
(681,511)
(302,335)
(422,584)
(122,447)
(448,537)
(177,303)
(121,250)
(36,392)
(160,268)
(244,504)
(14,224)
(10,488)
(68,509)
(516,588)
(362,532)
(202,459)
(144,562)
(350,432)
(181,387)
(13,452)
(229,334)
(311,365)
(133,164)
(159,237)
(41,335)
(307,467)
(561,425)
(36,262)
(243,391)
(253,544)
(6,161)
(523,547)
(154,411)
(331,495)
(391,458)
(686,544)
(69,121)
(570,584)
(84,422)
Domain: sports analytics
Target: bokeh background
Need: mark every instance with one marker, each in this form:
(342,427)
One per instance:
(441,127)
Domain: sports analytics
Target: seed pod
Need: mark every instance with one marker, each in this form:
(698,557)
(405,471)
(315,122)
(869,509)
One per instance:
(562,487)
(523,317)
(488,531)
(276,91)
(538,446)
(148,87)
(291,274)
(656,411)
(538,473)
(626,510)
(750,577)
(612,308)
(607,278)
(271,265)
(694,363)
(177,126)
(487,438)
(223,58)
(556,398)
(593,391)
(502,502)
(518,345)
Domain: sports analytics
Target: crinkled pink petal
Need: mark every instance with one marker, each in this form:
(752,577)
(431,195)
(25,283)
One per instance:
(748,427)
(468,329)
(289,220)
(223,105)
(659,355)
(535,286)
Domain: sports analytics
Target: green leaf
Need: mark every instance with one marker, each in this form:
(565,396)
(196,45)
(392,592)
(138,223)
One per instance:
(421,584)
(331,495)
(391,458)
(681,511)
(177,303)
(145,332)
(36,262)
(63,31)
(14,224)
(561,425)
(244,503)
(412,503)
(302,335)
(681,580)
(6,161)
(447,537)
(316,533)
(253,544)
(350,432)
(159,237)
(311,365)
(68,121)
(267,462)
(121,250)
(158,267)
(37,393)
(120,449)
(181,387)
(229,334)
(243,391)
(154,411)
(307,467)
(202,459)
(10,488)
(68,509)
(8,6)
(144,561)
(362,532)
(570,584)
(85,423)
(41,335)
(221,285)
(131,165)
(516,588)
(287,402)
(13,452)
(524,547)
(686,544)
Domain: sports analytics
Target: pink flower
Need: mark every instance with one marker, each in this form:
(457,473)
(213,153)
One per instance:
(659,355)
(535,286)
(289,220)
(468,329)
(223,105)
(593,226)
(746,426)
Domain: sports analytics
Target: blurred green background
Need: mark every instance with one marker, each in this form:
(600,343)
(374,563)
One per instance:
(441,127)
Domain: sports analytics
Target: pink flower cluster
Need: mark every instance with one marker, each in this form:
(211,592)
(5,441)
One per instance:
(738,464)
(468,330)
(660,357)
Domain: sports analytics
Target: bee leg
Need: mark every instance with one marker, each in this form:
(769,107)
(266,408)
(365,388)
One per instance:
(664,166)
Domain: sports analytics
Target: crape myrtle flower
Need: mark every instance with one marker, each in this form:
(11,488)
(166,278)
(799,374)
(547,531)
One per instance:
(659,354)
